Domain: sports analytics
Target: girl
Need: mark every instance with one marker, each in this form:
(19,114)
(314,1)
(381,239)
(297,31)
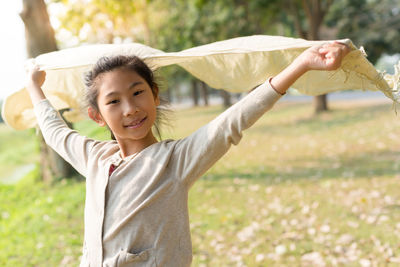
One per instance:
(136,210)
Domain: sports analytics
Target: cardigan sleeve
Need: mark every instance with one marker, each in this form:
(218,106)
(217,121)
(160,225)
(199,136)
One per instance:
(195,154)
(68,143)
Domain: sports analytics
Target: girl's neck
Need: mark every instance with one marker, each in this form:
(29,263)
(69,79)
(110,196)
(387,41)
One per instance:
(129,147)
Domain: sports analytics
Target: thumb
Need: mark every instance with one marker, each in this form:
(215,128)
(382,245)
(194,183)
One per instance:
(29,64)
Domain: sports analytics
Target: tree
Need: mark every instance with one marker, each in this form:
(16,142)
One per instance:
(370,23)
(198,22)
(204,92)
(178,25)
(40,39)
(113,21)
(110,21)
(308,17)
(195,92)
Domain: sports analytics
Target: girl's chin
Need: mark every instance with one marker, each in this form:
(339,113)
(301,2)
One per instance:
(138,136)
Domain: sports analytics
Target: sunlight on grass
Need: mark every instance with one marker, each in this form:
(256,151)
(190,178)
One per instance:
(10,157)
(299,190)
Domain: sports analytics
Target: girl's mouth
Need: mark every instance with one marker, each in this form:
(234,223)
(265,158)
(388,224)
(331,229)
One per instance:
(136,124)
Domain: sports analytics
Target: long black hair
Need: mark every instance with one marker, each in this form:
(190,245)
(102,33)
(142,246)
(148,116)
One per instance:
(132,63)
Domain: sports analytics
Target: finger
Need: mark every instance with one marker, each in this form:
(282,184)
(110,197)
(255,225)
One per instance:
(344,47)
(334,59)
(334,55)
(330,52)
(336,45)
(323,50)
(335,49)
(29,64)
(341,43)
(331,45)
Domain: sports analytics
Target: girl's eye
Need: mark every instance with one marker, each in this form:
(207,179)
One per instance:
(112,102)
(138,92)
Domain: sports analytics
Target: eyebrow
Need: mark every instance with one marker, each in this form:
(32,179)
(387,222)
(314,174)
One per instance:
(129,88)
(134,84)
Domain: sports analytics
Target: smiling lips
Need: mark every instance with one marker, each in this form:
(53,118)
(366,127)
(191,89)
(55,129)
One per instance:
(136,124)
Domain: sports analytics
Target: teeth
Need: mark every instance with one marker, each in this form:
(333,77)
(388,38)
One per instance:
(135,123)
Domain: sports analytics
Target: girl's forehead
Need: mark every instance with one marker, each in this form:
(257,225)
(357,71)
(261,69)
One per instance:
(118,80)
(121,73)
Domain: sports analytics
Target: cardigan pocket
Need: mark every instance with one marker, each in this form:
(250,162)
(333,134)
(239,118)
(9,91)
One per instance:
(143,258)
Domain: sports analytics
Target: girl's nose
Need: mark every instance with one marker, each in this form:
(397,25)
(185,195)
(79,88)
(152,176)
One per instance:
(130,109)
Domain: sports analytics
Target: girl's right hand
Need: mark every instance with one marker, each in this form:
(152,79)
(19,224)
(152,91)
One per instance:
(35,81)
(36,77)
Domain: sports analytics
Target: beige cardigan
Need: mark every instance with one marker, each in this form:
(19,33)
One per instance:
(139,215)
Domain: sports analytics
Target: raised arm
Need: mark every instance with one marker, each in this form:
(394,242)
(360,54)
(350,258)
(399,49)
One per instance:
(326,57)
(73,147)
(195,154)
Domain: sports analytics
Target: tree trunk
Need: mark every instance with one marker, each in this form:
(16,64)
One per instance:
(320,103)
(315,14)
(40,39)
(204,93)
(169,94)
(38,31)
(226,97)
(195,93)
(294,10)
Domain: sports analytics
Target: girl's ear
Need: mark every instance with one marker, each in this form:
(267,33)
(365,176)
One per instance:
(96,116)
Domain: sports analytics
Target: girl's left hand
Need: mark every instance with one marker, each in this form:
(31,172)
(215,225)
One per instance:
(326,57)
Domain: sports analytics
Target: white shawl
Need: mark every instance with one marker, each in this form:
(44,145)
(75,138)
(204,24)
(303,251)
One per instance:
(235,65)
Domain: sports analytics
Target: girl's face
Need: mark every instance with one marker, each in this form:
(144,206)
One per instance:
(127,105)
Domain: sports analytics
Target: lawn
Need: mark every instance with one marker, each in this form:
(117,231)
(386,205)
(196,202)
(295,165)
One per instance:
(298,190)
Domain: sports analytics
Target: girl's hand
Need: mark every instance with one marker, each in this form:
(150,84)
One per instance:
(326,57)
(36,77)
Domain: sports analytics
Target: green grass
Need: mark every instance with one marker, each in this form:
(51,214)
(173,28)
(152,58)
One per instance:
(11,158)
(299,190)
(41,225)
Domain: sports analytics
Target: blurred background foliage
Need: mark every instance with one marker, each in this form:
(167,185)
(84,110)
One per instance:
(373,24)
(174,25)
(324,188)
